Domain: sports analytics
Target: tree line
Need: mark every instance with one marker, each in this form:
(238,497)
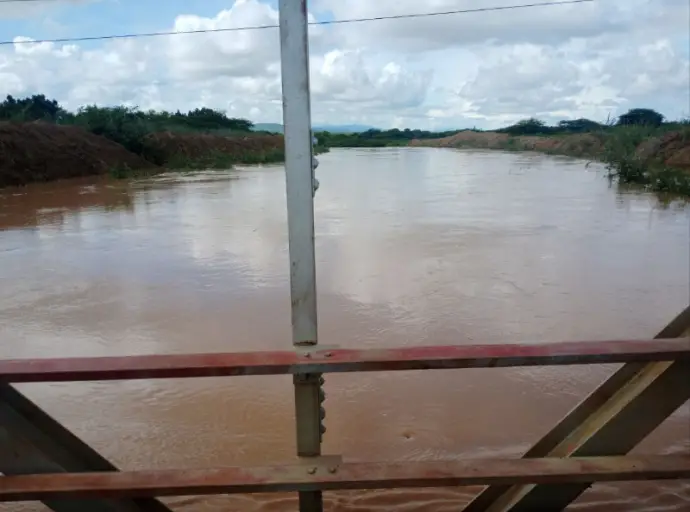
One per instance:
(124,125)
(634,117)
(40,108)
(129,126)
(378,138)
(531,126)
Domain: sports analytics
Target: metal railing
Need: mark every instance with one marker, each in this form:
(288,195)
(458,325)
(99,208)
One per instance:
(323,473)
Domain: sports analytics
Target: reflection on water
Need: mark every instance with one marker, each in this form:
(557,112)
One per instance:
(414,246)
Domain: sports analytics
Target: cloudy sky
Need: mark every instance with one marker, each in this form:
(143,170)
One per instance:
(481,69)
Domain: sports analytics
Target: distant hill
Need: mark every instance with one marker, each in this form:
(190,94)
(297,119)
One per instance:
(333,128)
(268,127)
(342,128)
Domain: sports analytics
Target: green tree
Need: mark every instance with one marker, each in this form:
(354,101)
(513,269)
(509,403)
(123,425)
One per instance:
(207,118)
(531,126)
(579,125)
(124,125)
(641,117)
(33,108)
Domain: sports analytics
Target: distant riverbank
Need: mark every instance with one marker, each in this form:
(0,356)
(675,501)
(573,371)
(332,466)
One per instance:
(652,157)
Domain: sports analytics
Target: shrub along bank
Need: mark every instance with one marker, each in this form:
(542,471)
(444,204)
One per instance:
(655,158)
(41,141)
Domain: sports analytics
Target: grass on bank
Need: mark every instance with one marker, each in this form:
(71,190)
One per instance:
(633,155)
(222,160)
(619,149)
(627,165)
(216,160)
(124,172)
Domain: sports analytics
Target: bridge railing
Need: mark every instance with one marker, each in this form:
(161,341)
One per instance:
(326,473)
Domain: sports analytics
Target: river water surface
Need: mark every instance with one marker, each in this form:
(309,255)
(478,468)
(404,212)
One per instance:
(415,246)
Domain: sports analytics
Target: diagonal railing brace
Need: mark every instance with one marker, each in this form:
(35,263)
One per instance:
(31,441)
(611,421)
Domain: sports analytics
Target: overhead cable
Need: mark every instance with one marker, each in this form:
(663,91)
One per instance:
(264,27)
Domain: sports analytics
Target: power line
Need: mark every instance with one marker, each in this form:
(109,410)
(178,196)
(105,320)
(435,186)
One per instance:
(263,27)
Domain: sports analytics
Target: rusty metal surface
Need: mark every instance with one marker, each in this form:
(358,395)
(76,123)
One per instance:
(342,360)
(31,441)
(611,420)
(346,476)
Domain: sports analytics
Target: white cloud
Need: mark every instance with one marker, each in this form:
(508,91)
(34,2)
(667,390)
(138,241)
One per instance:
(485,69)
(237,53)
(11,83)
(26,9)
(551,25)
(25,46)
(345,77)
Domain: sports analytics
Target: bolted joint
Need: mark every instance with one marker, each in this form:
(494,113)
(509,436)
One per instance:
(322,409)
(309,395)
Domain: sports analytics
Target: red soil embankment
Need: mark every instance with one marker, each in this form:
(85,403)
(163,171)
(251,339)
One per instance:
(31,152)
(671,149)
(581,144)
(488,140)
(197,145)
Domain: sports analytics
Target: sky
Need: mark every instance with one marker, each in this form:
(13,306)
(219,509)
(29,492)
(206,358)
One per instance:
(485,70)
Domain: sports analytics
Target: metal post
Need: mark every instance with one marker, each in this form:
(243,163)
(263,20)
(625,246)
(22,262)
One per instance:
(294,56)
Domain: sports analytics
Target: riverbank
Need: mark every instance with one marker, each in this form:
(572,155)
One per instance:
(38,151)
(655,159)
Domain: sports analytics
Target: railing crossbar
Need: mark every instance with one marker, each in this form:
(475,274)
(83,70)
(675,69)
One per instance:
(304,477)
(333,361)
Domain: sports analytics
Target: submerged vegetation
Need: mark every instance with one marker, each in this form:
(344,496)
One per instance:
(222,160)
(652,157)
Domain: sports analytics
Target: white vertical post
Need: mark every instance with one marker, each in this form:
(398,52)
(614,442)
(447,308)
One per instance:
(294,56)
(294,50)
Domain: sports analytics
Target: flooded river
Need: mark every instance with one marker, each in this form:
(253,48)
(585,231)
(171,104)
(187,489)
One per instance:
(415,246)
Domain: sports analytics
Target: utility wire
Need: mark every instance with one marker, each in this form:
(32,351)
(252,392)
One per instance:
(263,27)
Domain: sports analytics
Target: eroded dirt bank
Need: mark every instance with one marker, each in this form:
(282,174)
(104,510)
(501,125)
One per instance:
(670,149)
(35,152)
(31,152)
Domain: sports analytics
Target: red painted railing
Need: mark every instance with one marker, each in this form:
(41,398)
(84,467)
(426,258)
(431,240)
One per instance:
(329,473)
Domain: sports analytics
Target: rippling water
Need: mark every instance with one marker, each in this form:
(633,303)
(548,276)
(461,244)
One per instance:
(415,246)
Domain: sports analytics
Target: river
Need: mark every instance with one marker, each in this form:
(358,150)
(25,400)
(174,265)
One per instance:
(415,246)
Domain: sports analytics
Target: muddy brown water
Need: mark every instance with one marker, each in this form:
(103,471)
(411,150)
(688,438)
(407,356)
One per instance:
(415,246)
